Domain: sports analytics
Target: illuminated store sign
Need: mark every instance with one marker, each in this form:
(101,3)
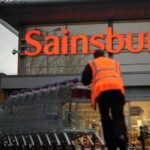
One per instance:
(59,45)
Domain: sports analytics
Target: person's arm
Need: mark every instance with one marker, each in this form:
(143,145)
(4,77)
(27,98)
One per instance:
(86,78)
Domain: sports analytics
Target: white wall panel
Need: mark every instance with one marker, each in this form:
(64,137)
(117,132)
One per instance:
(132,62)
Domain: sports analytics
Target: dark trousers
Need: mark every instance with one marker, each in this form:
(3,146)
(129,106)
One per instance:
(111,105)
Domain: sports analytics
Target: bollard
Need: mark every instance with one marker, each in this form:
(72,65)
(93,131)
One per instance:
(24,141)
(82,144)
(50,145)
(57,140)
(101,141)
(40,140)
(67,139)
(48,139)
(17,145)
(9,140)
(92,143)
(73,145)
(32,141)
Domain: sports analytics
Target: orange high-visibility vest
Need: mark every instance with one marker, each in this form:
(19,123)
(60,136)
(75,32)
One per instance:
(106,76)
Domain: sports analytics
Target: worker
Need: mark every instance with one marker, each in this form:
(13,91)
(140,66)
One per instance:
(107,89)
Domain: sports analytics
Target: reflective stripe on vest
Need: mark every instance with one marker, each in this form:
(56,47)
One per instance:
(104,69)
(106,77)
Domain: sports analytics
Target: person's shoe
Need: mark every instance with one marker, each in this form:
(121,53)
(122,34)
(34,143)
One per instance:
(122,142)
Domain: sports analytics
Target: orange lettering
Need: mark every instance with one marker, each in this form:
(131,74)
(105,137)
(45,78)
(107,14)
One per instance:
(33,42)
(65,41)
(74,41)
(54,44)
(109,41)
(54,48)
(93,41)
(140,42)
(148,41)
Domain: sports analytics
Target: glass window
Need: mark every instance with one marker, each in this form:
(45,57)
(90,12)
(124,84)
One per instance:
(130,62)
(137,113)
(60,64)
(139,116)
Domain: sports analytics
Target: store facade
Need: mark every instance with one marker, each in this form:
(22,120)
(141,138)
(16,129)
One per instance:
(129,20)
(136,109)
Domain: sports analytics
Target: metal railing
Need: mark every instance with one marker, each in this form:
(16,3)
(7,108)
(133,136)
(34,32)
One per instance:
(65,140)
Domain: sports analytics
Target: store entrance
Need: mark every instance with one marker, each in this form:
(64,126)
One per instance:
(137,113)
